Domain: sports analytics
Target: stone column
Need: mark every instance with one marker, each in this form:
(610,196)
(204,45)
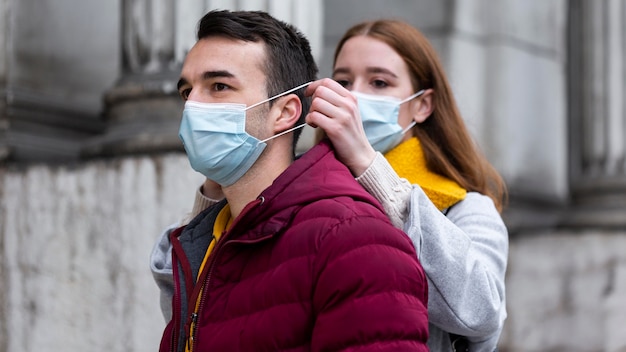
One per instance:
(4,152)
(4,121)
(143,109)
(148,35)
(598,95)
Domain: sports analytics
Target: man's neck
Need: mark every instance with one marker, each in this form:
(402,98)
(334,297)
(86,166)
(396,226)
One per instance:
(269,166)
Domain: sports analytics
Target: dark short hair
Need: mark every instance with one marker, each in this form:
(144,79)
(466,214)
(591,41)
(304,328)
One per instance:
(289,61)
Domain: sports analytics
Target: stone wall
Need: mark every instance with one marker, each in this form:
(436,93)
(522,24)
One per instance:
(75,243)
(565,292)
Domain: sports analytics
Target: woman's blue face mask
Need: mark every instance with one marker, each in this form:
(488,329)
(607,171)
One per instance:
(379,115)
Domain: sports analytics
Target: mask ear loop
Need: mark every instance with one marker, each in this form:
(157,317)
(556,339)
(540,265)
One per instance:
(283,132)
(413,96)
(277,96)
(407,128)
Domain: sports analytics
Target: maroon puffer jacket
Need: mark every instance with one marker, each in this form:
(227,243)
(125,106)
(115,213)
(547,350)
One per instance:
(312,265)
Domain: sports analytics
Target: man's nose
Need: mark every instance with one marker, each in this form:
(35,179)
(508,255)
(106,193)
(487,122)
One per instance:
(194,95)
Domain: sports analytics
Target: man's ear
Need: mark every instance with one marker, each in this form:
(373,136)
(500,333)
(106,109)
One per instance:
(288,110)
(422,107)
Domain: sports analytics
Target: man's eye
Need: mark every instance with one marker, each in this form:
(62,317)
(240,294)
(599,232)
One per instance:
(218,87)
(184,93)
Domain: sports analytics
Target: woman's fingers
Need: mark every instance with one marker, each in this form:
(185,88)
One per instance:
(335,110)
(332,103)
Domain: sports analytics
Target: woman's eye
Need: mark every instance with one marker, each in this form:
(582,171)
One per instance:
(379,83)
(343,82)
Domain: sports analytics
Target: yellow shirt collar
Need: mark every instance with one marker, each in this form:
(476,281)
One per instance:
(222,222)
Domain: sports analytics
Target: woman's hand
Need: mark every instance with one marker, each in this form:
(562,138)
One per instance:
(335,110)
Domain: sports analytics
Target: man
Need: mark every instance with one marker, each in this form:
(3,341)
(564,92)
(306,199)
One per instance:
(297,256)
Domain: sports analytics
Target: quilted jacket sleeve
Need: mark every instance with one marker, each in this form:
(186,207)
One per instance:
(371,291)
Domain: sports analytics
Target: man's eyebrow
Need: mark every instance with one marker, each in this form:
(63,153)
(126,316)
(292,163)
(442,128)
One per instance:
(207,75)
(181,82)
(214,74)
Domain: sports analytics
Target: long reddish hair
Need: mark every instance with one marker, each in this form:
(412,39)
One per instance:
(447,144)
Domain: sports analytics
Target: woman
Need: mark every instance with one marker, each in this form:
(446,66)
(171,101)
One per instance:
(389,96)
(393,121)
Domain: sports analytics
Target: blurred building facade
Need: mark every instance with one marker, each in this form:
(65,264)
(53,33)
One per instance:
(91,168)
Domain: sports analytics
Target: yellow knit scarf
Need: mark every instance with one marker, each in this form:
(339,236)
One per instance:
(408,160)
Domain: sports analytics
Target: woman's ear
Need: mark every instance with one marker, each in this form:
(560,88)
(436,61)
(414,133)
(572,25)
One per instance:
(288,110)
(422,107)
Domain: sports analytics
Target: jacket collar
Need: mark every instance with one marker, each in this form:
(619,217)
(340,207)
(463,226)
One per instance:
(316,175)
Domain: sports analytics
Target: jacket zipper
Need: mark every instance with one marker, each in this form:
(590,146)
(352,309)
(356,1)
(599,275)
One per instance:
(205,287)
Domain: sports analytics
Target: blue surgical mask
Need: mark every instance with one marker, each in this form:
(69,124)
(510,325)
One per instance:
(215,139)
(379,115)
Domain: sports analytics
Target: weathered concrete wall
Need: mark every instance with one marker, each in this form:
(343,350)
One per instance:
(565,292)
(75,245)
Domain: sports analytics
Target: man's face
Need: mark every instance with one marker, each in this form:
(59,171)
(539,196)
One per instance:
(224,70)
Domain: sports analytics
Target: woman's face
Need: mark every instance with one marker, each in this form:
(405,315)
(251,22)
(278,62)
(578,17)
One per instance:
(370,66)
